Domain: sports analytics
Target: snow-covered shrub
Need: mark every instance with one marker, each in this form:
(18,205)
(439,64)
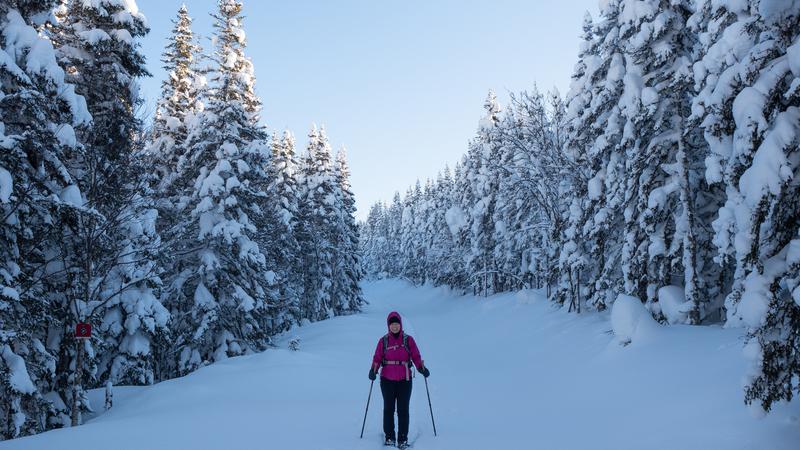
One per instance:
(631,320)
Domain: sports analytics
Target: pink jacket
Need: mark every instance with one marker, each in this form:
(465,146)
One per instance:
(396,352)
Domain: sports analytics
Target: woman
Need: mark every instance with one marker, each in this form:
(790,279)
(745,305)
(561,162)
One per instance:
(394,355)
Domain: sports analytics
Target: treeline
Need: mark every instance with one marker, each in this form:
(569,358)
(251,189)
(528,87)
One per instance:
(671,172)
(182,245)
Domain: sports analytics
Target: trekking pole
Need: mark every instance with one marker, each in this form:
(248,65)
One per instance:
(365,412)
(429,405)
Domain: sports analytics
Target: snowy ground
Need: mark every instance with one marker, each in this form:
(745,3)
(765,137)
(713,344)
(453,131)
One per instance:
(508,372)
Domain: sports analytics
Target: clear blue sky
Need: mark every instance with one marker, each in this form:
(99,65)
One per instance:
(400,83)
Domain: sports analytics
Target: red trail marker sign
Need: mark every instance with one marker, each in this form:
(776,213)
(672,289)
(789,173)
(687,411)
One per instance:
(83,331)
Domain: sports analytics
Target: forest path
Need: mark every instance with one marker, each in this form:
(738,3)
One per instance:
(507,372)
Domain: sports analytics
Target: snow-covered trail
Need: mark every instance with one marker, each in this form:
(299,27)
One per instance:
(508,372)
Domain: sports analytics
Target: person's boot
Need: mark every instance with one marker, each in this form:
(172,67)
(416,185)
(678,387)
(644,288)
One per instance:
(389,441)
(402,442)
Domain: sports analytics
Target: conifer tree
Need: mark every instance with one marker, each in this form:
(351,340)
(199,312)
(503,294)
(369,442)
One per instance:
(349,266)
(595,230)
(109,251)
(283,192)
(374,236)
(395,219)
(39,113)
(181,99)
(223,294)
(319,216)
(486,150)
(448,262)
(664,162)
(748,107)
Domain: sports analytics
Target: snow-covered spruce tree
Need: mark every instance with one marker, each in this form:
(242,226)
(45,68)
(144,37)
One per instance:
(579,138)
(593,238)
(348,271)
(457,223)
(405,236)
(222,294)
(664,165)
(428,233)
(417,229)
(181,100)
(283,194)
(394,217)
(39,111)
(423,212)
(318,216)
(378,242)
(485,150)
(410,238)
(440,244)
(374,238)
(264,212)
(108,252)
(459,215)
(369,233)
(180,104)
(749,102)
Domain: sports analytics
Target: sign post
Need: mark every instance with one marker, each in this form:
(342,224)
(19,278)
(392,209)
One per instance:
(83,331)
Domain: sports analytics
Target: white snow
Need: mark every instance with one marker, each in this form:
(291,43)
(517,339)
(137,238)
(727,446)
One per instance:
(66,135)
(777,10)
(240,35)
(507,372)
(9,292)
(595,186)
(94,36)
(770,167)
(633,11)
(173,123)
(232,183)
(673,304)
(455,219)
(649,96)
(122,35)
(202,296)
(213,183)
(630,320)
(6,185)
(231,59)
(40,59)
(242,167)
(713,169)
(72,195)
(18,378)
(246,302)
(136,344)
(793,58)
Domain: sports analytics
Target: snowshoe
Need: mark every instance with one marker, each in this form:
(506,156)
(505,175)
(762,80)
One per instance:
(403,445)
(389,442)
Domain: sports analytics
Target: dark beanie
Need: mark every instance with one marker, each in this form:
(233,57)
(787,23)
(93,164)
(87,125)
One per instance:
(393,319)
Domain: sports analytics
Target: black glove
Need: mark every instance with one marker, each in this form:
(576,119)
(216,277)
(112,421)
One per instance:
(425,372)
(372,374)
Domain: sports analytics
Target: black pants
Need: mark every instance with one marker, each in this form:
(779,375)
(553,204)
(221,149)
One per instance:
(396,392)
